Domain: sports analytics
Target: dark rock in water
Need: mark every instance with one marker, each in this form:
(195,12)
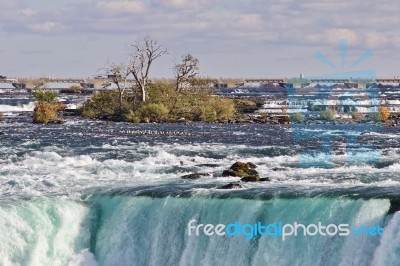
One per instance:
(47,183)
(251,178)
(56,121)
(241,165)
(195,176)
(70,112)
(240,169)
(12,183)
(251,165)
(347,180)
(229,173)
(276,169)
(381,165)
(265,179)
(231,186)
(394,206)
(208,165)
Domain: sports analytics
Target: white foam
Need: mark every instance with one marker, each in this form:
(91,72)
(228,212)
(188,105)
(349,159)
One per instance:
(85,258)
(18,108)
(48,232)
(387,251)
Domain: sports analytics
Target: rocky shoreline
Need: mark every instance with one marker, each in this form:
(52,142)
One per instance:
(392,121)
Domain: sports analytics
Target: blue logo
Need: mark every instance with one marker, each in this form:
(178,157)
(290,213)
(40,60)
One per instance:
(357,94)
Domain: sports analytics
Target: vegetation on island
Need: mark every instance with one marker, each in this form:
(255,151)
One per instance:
(46,107)
(327,114)
(188,98)
(383,114)
(164,104)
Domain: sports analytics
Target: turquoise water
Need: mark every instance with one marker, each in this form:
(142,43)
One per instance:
(126,230)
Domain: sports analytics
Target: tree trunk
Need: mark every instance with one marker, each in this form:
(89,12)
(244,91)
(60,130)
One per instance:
(143,94)
(143,87)
(120,99)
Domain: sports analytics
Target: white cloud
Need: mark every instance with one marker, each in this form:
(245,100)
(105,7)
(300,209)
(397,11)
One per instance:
(45,27)
(212,25)
(376,40)
(186,4)
(332,36)
(134,6)
(26,12)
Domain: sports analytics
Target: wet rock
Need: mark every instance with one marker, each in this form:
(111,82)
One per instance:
(240,169)
(251,165)
(251,178)
(229,172)
(56,121)
(212,165)
(195,176)
(394,206)
(381,165)
(346,180)
(265,179)
(277,169)
(231,186)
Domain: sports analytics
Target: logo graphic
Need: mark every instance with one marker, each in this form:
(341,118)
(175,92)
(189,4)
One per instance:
(337,95)
(279,229)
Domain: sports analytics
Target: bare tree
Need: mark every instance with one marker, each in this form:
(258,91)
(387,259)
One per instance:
(118,74)
(186,70)
(144,54)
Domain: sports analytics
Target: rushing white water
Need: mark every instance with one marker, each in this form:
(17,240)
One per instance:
(42,232)
(124,230)
(41,172)
(17,108)
(87,193)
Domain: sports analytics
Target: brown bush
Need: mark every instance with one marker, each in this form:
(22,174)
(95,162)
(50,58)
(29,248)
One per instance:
(383,114)
(1,116)
(44,112)
(74,89)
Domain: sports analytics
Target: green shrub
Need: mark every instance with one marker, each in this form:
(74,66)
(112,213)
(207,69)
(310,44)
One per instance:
(327,114)
(208,114)
(155,112)
(164,104)
(297,118)
(48,96)
(224,108)
(132,117)
(102,104)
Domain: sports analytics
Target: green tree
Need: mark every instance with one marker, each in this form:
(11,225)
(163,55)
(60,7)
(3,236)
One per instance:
(43,95)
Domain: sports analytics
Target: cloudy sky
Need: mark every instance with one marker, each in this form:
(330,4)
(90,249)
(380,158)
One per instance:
(231,38)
